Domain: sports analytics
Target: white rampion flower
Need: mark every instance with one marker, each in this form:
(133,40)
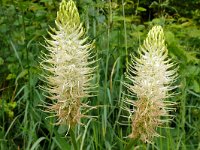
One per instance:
(151,76)
(68,66)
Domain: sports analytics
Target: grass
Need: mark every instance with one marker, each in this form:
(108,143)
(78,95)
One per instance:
(117,33)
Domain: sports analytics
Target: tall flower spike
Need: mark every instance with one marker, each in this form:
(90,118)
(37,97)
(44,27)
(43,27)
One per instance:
(151,75)
(68,66)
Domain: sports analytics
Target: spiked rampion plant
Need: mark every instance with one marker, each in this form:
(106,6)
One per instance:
(68,66)
(151,76)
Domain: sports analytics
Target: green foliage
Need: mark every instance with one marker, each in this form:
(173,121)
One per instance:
(118,28)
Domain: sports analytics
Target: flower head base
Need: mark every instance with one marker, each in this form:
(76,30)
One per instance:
(68,66)
(152,75)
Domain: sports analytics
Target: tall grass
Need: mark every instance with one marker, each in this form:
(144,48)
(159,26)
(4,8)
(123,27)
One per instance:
(118,31)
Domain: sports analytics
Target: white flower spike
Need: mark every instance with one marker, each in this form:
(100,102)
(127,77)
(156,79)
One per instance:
(151,76)
(68,66)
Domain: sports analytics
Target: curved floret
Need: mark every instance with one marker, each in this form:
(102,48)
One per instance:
(68,66)
(151,76)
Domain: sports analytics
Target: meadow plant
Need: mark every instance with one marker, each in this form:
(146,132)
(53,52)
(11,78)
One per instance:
(151,76)
(69,67)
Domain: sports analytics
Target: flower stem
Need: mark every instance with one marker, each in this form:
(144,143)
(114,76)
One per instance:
(72,135)
(130,144)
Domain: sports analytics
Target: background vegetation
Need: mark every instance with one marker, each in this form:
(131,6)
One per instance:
(118,27)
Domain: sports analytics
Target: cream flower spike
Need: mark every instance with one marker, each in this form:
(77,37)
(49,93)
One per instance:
(151,76)
(68,67)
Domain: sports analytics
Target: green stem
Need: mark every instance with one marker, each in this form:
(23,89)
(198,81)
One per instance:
(183,111)
(130,145)
(73,139)
(125,32)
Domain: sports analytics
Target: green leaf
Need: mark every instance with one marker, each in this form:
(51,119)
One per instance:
(196,86)
(141,9)
(37,143)
(62,129)
(21,75)
(192,71)
(11,76)
(170,38)
(61,142)
(12,105)
(1,61)
(3,28)
(121,18)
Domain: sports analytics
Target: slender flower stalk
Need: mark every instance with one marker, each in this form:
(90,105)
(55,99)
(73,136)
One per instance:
(68,67)
(151,76)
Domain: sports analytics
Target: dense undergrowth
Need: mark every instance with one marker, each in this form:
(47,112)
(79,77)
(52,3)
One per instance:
(118,28)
